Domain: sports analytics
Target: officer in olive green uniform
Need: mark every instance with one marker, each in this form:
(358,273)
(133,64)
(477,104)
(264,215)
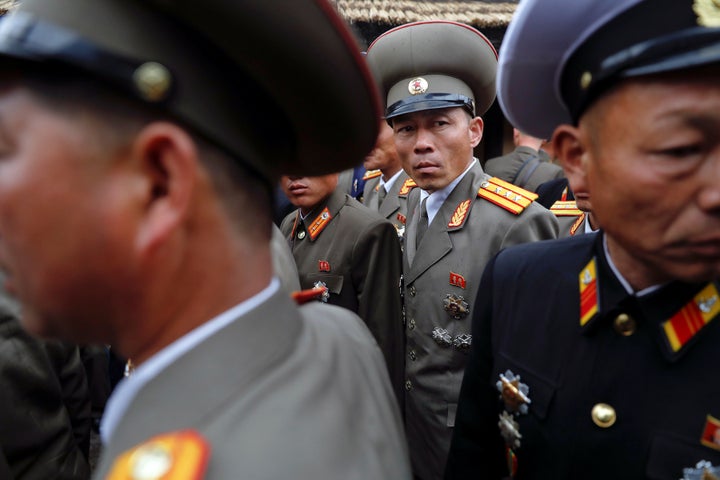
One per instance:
(355,253)
(433,96)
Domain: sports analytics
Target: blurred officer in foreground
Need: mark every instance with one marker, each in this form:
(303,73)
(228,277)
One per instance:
(600,359)
(386,184)
(437,77)
(347,248)
(528,166)
(141,142)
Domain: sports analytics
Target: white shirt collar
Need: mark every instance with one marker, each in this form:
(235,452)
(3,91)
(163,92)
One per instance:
(626,285)
(388,185)
(128,388)
(437,198)
(588,227)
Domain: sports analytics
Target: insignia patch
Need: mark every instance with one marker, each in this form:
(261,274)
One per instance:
(588,292)
(177,455)
(576,224)
(697,313)
(456,306)
(319,223)
(708,12)
(370,174)
(461,212)
(323,266)
(703,470)
(457,280)
(514,394)
(407,186)
(325,295)
(442,337)
(711,433)
(417,86)
(402,218)
(566,208)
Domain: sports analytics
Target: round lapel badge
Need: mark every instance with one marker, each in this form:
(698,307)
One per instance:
(417,86)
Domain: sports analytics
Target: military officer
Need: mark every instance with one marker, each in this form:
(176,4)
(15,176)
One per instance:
(386,184)
(574,213)
(340,244)
(528,166)
(141,142)
(599,360)
(457,219)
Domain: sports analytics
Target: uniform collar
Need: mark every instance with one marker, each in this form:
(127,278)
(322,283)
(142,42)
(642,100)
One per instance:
(319,218)
(436,199)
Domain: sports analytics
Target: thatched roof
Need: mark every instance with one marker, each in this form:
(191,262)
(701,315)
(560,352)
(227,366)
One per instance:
(482,14)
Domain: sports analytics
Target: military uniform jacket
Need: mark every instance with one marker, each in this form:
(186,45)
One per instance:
(510,168)
(394,206)
(356,254)
(665,400)
(441,280)
(281,392)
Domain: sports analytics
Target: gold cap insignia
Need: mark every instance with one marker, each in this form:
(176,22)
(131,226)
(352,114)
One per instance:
(417,86)
(708,12)
(153,81)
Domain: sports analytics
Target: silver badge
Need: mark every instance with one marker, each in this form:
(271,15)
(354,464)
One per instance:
(513,393)
(456,306)
(704,470)
(326,294)
(463,342)
(509,430)
(442,337)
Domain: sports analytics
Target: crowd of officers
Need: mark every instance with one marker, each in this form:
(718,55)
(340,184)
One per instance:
(504,323)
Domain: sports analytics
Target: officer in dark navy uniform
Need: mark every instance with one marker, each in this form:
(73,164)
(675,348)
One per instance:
(596,356)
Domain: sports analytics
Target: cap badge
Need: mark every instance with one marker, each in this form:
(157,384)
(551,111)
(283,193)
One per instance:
(153,81)
(514,394)
(708,12)
(324,296)
(456,306)
(703,470)
(417,86)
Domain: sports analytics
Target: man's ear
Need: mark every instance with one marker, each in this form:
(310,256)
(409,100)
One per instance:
(571,151)
(167,157)
(476,130)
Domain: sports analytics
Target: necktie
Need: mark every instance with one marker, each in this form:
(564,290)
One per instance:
(422,224)
(381,195)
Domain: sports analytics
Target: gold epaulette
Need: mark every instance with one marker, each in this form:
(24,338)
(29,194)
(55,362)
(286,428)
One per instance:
(370,174)
(175,455)
(567,208)
(506,195)
(407,186)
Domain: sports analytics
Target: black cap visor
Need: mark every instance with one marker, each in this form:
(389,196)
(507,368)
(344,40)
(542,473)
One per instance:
(429,101)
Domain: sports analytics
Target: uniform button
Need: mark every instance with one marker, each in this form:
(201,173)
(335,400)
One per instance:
(408,385)
(625,325)
(413,355)
(412,290)
(411,324)
(301,234)
(603,415)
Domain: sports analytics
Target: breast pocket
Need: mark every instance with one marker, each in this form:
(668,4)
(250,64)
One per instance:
(669,455)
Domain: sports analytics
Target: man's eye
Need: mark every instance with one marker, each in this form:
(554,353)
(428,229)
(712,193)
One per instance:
(403,129)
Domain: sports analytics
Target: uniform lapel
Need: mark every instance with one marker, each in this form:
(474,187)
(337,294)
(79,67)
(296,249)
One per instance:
(391,204)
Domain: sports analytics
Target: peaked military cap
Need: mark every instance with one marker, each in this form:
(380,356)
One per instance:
(436,64)
(554,65)
(279,85)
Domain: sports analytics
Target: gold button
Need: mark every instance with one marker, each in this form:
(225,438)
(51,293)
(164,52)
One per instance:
(411,324)
(585,80)
(603,415)
(625,325)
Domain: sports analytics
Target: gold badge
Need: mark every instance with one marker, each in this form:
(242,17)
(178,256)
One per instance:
(456,306)
(513,393)
(417,86)
(708,12)
(153,81)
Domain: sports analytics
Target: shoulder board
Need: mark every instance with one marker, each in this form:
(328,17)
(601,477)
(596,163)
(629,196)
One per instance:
(567,208)
(301,297)
(181,455)
(407,186)
(371,174)
(506,195)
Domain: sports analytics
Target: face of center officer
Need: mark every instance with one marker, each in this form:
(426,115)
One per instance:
(306,192)
(383,155)
(60,243)
(436,146)
(653,170)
